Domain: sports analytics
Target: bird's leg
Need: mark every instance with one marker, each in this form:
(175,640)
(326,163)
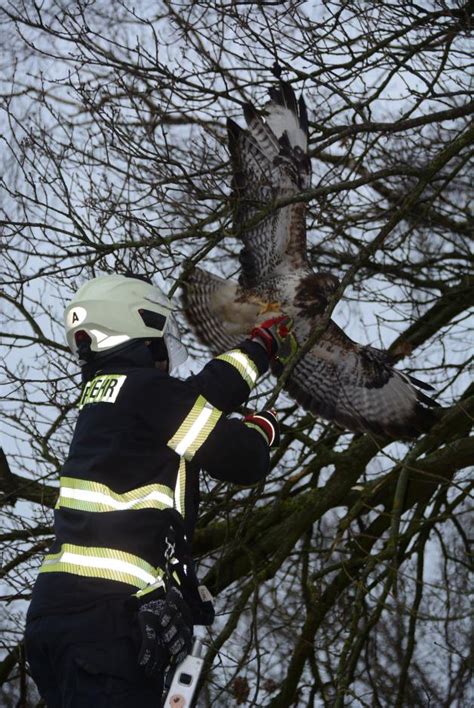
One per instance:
(266,307)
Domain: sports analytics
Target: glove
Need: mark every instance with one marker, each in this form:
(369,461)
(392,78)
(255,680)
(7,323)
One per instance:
(266,424)
(167,632)
(275,335)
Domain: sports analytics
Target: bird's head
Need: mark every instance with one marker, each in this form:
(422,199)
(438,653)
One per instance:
(314,291)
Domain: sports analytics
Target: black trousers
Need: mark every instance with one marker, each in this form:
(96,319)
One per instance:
(89,660)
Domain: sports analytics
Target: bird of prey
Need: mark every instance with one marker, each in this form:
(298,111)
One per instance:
(338,379)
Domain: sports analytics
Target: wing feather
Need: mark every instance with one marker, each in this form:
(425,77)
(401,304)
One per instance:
(215,310)
(357,388)
(270,162)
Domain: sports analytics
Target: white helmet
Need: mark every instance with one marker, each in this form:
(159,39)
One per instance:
(114,309)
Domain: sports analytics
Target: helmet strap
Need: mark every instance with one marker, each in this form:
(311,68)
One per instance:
(158,349)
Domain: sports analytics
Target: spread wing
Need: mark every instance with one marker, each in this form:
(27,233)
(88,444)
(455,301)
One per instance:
(339,380)
(356,387)
(270,163)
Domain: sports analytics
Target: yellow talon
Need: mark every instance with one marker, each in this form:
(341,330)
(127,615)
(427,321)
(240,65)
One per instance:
(269,307)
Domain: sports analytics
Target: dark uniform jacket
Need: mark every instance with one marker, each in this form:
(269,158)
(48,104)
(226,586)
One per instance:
(140,441)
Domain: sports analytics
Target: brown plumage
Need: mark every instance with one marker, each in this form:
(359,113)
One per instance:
(338,379)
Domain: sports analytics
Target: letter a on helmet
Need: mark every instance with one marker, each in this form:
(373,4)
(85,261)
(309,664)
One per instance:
(114,309)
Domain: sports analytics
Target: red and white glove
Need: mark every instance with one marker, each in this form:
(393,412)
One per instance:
(266,424)
(276,336)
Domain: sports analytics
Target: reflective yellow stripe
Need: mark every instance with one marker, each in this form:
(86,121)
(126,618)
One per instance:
(258,429)
(195,429)
(159,583)
(150,588)
(243,364)
(180,489)
(91,496)
(107,563)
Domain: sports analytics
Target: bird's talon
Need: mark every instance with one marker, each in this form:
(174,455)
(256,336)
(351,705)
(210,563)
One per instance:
(269,307)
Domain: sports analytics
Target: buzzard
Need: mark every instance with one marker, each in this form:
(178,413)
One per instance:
(338,379)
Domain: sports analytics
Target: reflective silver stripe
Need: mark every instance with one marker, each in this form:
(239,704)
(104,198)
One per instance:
(107,563)
(195,429)
(95,497)
(244,365)
(180,489)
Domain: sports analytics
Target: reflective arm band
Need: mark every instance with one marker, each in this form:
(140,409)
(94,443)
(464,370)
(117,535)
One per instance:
(244,365)
(195,429)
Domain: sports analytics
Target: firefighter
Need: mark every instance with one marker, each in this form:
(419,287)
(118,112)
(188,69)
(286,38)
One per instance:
(116,597)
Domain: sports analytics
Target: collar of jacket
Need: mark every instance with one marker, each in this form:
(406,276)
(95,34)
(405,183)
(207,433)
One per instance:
(136,354)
